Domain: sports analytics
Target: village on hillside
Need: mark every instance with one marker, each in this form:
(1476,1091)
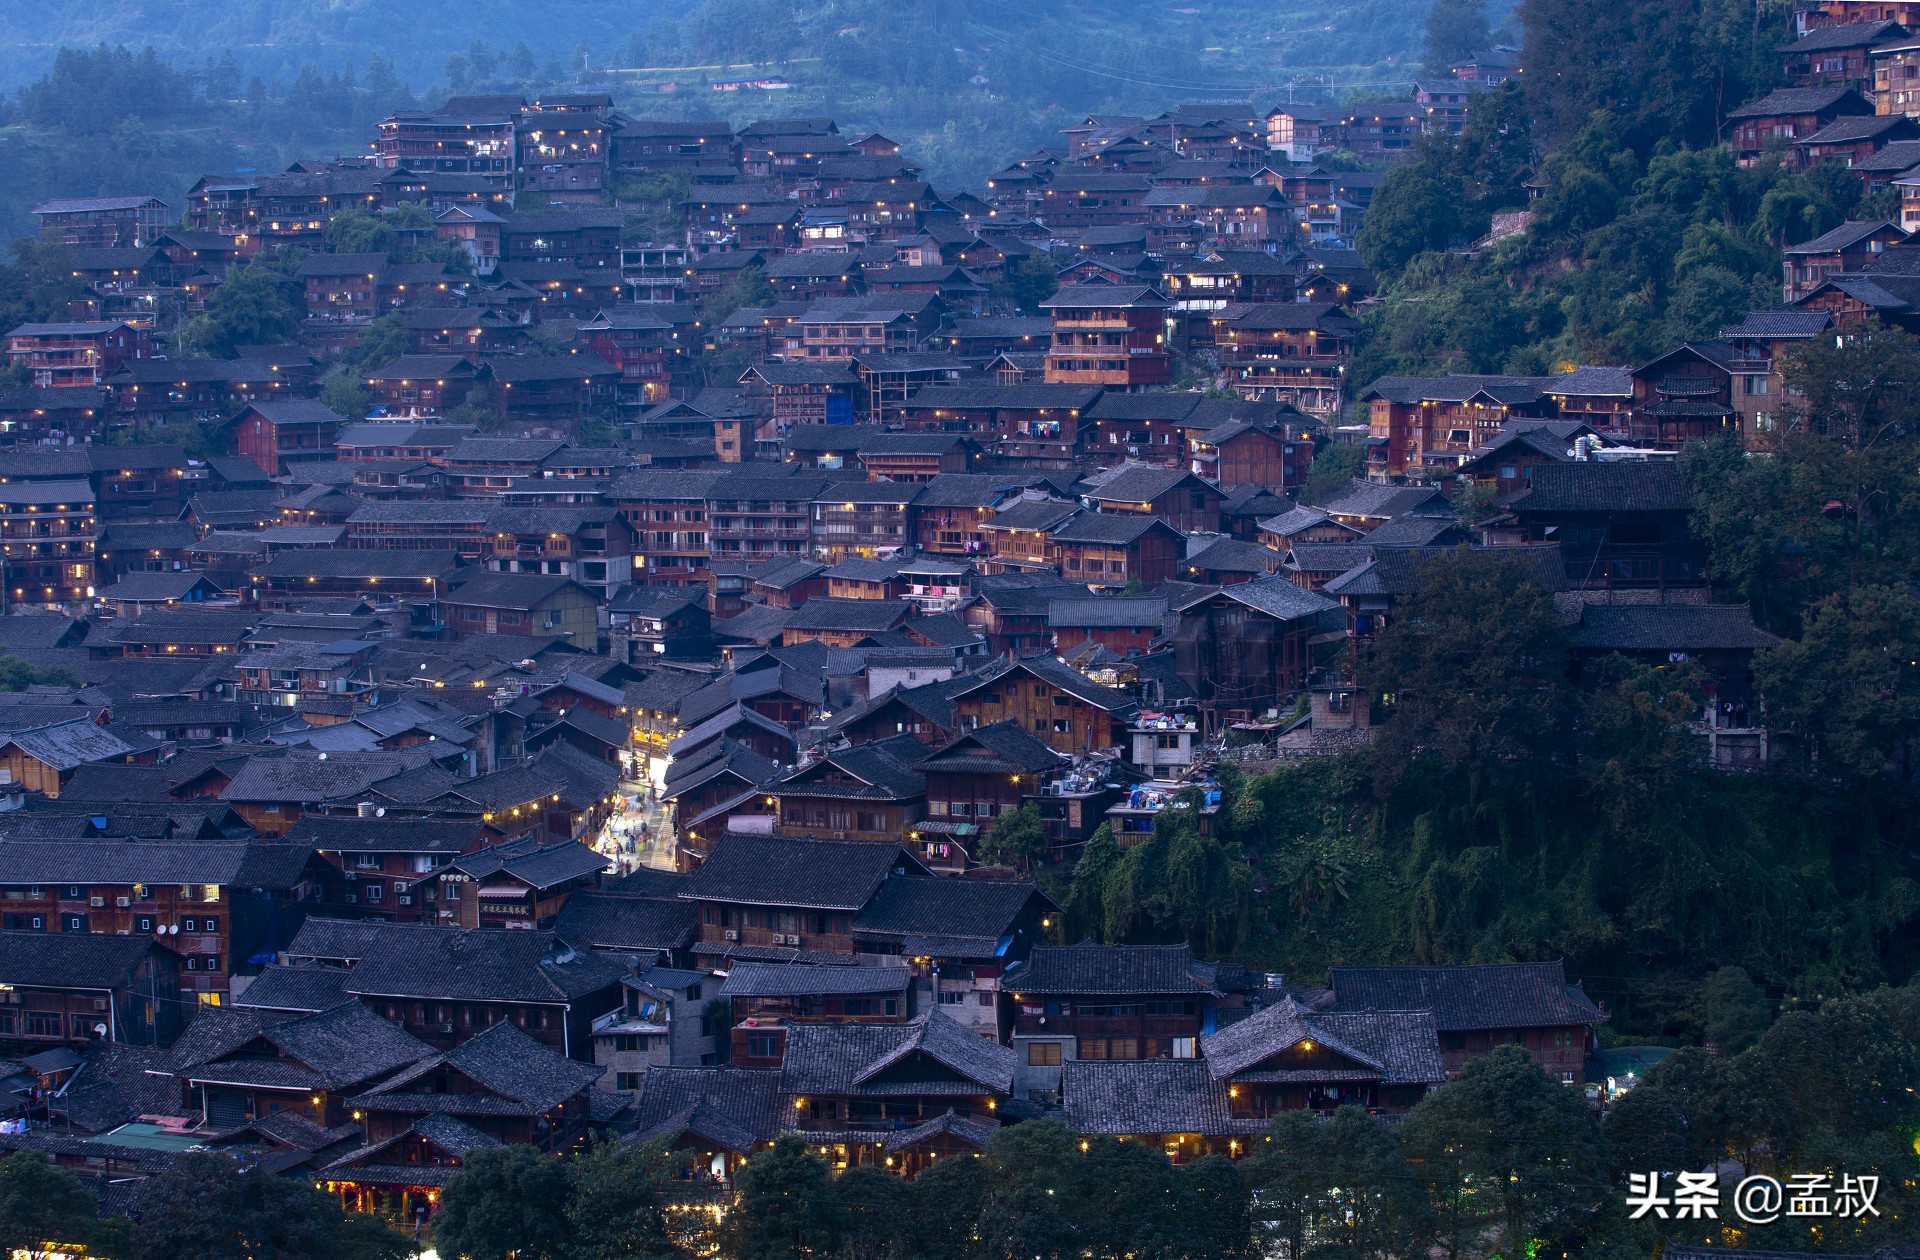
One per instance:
(489,675)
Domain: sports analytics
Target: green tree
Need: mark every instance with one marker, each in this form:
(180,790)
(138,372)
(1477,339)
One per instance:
(364,1237)
(1031,1179)
(1416,208)
(1473,662)
(1455,30)
(1526,1145)
(18,675)
(1016,838)
(1023,285)
(1342,1183)
(205,1207)
(357,232)
(944,1209)
(1219,1221)
(879,1211)
(250,308)
(748,288)
(1733,1010)
(1334,468)
(382,341)
(616,1210)
(786,1208)
(1851,681)
(42,1203)
(1855,438)
(507,1203)
(1086,908)
(343,392)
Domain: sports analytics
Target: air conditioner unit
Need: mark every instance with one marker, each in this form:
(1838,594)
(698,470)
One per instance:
(353,899)
(446,1029)
(406,899)
(732,935)
(97,902)
(99,1004)
(352,875)
(11,999)
(123,902)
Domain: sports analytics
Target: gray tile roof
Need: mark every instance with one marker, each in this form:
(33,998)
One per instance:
(1807,100)
(513,1067)
(477,965)
(1670,628)
(1491,995)
(950,918)
(279,988)
(1581,486)
(1003,747)
(932,1056)
(125,861)
(1115,613)
(1370,499)
(1087,968)
(1109,527)
(735,1108)
(756,979)
(1393,1047)
(342,1046)
(782,871)
(1147,1096)
(848,615)
(64,960)
(627,921)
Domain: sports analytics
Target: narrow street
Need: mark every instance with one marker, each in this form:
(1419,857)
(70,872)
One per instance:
(639,833)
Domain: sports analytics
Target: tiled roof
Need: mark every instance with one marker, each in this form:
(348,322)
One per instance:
(626,921)
(346,940)
(934,1055)
(1107,527)
(1669,628)
(1142,483)
(1147,1096)
(1116,613)
(539,866)
(1002,747)
(1849,234)
(967,918)
(479,964)
(1583,486)
(1492,995)
(755,979)
(736,1108)
(341,1046)
(503,1059)
(848,615)
(1370,499)
(279,988)
(1791,321)
(1279,598)
(1395,1047)
(1807,100)
(1234,555)
(1069,970)
(66,960)
(124,861)
(1455,387)
(781,871)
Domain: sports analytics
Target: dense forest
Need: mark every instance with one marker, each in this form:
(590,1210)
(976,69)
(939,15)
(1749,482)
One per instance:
(1643,233)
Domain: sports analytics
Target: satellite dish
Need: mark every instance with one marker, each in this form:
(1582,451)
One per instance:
(99,1030)
(173,929)
(381,812)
